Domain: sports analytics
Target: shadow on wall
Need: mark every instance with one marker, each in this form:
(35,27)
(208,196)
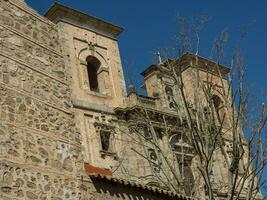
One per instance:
(112,191)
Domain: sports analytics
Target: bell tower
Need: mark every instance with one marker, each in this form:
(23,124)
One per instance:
(160,82)
(92,53)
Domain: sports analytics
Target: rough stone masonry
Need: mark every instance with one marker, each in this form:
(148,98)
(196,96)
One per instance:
(39,144)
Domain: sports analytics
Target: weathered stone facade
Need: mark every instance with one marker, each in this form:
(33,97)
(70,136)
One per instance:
(40,146)
(55,118)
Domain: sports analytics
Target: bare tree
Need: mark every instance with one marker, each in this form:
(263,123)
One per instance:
(209,122)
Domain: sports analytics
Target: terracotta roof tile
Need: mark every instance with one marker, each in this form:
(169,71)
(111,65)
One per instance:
(136,185)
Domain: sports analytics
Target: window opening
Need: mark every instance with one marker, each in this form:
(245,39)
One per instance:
(93,65)
(105,141)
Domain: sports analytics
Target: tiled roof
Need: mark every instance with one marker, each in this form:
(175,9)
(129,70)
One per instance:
(90,169)
(154,190)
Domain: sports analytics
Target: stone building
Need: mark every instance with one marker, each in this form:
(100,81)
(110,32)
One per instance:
(65,116)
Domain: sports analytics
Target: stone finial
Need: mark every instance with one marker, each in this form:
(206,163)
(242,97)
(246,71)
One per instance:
(131,88)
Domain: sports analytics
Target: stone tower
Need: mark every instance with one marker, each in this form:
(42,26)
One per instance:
(160,85)
(91,49)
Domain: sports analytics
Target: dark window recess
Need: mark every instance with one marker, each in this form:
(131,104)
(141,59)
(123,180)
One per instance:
(188,178)
(175,139)
(217,102)
(218,105)
(154,158)
(105,140)
(93,65)
(159,133)
(168,91)
(147,133)
(152,154)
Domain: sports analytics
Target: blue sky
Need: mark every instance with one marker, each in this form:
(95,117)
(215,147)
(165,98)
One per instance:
(151,25)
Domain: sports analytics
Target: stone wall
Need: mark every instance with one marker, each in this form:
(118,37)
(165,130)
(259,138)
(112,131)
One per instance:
(39,143)
(29,51)
(23,182)
(24,20)
(28,80)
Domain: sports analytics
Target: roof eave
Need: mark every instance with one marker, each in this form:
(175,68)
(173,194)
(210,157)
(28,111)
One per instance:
(58,12)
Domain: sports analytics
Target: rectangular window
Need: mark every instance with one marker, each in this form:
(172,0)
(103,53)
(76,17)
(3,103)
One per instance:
(105,137)
(159,133)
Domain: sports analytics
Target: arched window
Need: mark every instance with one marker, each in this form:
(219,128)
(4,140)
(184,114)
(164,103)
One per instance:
(170,97)
(218,105)
(216,102)
(93,65)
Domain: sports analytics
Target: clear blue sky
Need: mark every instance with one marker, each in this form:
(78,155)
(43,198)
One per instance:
(150,25)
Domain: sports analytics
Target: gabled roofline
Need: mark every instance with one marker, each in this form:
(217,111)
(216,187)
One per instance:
(59,12)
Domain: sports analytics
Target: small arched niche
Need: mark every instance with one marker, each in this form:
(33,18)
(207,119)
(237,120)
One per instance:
(168,91)
(217,102)
(219,108)
(93,65)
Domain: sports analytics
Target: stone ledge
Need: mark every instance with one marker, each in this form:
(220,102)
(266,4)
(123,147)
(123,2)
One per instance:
(98,94)
(77,103)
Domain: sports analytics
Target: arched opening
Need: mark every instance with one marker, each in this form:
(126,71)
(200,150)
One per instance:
(218,105)
(170,97)
(216,102)
(93,65)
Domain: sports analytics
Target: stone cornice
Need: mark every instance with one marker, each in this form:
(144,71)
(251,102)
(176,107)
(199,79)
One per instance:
(188,60)
(63,13)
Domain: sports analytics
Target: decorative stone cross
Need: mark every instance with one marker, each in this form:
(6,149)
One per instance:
(159,57)
(91,46)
